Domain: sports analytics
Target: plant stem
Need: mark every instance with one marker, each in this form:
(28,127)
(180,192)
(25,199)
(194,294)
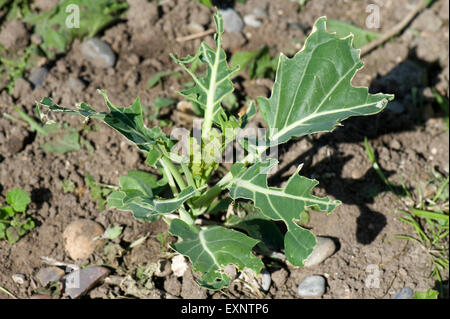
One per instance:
(167,164)
(209,112)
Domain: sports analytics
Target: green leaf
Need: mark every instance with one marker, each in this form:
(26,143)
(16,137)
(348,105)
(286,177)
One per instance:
(260,227)
(429,294)
(213,248)
(343,29)
(113,232)
(210,90)
(128,121)
(313,92)
(143,205)
(97,192)
(281,204)
(6,212)
(12,235)
(18,199)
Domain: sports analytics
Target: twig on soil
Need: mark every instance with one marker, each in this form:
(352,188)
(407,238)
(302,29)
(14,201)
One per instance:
(195,35)
(53,262)
(7,292)
(396,29)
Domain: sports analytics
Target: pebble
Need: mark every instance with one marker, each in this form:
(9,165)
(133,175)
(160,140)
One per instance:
(179,265)
(194,28)
(49,274)
(396,107)
(98,52)
(404,293)
(324,249)
(312,286)
(79,238)
(265,279)
(252,21)
(18,279)
(80,281)
(232,22)
(37,76)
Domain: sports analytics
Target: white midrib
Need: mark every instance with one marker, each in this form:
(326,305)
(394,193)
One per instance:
(268,191)
(205,247)
(314,115)
(211,94)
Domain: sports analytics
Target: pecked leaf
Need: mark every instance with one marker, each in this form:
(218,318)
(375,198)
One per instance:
(213,248)
(128,121)
(313,92)
(284,204)
(146,207)
(209,91)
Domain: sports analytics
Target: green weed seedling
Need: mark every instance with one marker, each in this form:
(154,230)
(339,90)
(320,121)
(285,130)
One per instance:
(312,93)
(14,222)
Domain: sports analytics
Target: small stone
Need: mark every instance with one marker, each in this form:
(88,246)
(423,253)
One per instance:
(395,144)
(266,280)
(404,293)
(232,22)
(36,38)
(396,107)
(324,249)
(179,265)
(37,77)
(18,279)
(98,52)
(279,277)
(79,282)
(79,238)
(75,84)
(252,21)
(312,286)
(49,274)
(194,28)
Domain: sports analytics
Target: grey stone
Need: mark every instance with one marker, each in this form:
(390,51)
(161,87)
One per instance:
(37,77)
(312,286)
(324,249)
(232,22)
(79,282)
(49,274)
(98,52)
(252,21)
(404,293)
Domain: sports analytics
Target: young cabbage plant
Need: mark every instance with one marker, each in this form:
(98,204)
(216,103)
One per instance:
(312,93)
